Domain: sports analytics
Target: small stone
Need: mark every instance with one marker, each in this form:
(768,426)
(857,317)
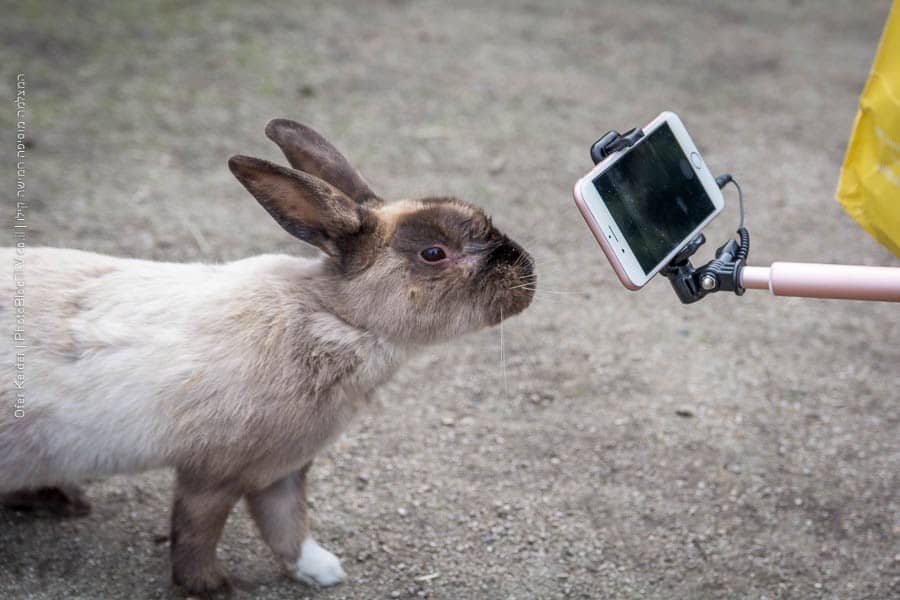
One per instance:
(448,422)
(401,511)
(395,594)
(684,411)
(497,165)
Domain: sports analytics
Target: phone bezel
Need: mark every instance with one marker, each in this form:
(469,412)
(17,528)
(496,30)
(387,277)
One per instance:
(606,230)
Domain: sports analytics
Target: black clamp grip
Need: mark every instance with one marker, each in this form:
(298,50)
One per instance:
(613,141)
(722,274)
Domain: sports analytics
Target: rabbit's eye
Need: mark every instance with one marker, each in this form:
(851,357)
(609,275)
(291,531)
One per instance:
(433,254)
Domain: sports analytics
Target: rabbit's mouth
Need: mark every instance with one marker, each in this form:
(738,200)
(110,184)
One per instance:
(519,299)
(516,290)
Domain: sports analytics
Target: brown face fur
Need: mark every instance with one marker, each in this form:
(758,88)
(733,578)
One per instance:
(482,278)
(413,271)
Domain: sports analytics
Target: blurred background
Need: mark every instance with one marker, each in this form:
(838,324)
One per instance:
(627,446)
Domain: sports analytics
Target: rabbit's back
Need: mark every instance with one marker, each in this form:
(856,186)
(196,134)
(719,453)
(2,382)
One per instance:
(131,364)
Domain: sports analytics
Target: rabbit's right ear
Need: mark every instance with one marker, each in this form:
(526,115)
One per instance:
(306,150)
(304,205)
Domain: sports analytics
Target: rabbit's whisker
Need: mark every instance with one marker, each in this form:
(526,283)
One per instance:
(503,359)
(543,291)
(533,288)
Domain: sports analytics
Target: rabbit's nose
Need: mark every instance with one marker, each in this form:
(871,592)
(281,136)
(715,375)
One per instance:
(510,253)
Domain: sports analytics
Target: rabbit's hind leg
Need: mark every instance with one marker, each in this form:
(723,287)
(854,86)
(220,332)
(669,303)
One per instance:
(62,501)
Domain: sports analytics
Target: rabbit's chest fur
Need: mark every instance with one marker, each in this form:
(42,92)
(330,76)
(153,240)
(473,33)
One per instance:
(233,369)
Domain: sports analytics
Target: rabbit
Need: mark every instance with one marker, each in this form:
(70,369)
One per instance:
(237,374)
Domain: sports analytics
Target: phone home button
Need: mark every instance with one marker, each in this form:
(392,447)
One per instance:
(695,160)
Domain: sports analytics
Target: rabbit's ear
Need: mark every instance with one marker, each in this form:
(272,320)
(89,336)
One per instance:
(306,206)
(308,151)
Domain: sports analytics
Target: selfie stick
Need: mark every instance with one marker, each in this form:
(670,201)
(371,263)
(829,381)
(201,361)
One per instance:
(809,280)
(729,271)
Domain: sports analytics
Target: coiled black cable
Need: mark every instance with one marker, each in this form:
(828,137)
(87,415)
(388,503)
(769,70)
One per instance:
(743,234)
(745,244)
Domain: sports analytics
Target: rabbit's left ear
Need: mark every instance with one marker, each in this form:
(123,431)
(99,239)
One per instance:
(304,205)
(306,150)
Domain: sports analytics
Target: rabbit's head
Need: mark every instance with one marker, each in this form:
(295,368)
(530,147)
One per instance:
(413,271)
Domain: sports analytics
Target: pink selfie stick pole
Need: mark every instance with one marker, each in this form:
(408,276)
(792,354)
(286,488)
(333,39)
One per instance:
(809,280)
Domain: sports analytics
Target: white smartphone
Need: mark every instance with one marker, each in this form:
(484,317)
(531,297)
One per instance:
(644,203)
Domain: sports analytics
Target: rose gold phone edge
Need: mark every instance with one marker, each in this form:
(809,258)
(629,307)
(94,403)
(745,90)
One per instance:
(592,224)
(600,237)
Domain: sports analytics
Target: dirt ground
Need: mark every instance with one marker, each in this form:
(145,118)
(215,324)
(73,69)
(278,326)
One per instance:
(565,470)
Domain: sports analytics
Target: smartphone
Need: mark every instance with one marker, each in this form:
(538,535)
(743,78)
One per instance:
(644,203)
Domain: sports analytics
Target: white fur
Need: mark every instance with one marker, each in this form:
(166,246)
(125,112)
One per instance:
(317,566)
(117,360)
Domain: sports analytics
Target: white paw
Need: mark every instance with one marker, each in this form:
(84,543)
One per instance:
(317,566)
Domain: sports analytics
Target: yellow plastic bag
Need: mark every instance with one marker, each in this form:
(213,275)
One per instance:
(869,187)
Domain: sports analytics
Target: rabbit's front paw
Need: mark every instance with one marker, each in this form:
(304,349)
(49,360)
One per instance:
(317,566)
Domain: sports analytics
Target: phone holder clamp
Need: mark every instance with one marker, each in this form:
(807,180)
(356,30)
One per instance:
(690,283)
(720,274)
(613,141)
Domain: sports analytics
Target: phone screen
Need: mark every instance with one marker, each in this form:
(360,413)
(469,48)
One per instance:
(655,197)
